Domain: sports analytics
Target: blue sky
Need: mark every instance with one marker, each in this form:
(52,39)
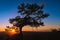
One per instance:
(8,9)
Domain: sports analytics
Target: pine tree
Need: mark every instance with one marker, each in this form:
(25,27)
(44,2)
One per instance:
(30,14)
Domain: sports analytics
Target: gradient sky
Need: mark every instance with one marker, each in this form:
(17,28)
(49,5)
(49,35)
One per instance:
(8,9)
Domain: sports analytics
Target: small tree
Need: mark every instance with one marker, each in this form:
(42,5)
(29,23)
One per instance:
(30,14)
(54,30)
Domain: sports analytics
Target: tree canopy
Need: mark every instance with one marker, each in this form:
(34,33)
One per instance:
(30,14)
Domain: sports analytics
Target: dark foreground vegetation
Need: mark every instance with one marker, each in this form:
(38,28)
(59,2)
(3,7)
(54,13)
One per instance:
(55,35)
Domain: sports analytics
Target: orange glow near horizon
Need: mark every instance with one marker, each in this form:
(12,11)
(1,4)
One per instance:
(28,28)
(2,29)
(12,32)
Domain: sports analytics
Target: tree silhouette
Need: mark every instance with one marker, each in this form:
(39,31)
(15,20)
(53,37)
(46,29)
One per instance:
(30,14)
(54,30)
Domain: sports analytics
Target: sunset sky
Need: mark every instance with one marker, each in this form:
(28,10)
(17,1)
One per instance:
(8,9)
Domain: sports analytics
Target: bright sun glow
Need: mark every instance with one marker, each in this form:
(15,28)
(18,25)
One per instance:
(12,30)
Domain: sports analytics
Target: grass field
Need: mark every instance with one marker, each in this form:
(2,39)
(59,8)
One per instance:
(32,36)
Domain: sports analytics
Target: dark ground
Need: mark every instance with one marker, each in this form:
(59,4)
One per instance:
(33,36)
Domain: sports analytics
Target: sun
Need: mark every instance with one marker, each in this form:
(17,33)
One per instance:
(13,30)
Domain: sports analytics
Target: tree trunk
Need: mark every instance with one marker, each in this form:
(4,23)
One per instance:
(21,34)
(20,30)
